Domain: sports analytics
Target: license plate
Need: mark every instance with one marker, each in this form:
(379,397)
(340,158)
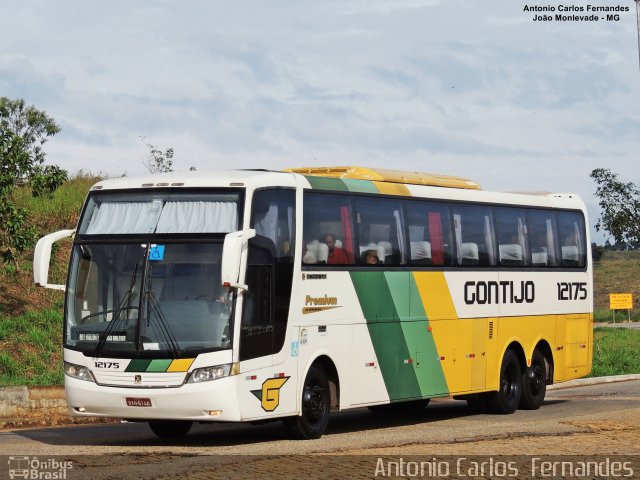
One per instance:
(138,402)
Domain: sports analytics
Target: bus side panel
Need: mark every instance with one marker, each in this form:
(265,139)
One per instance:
(494,351)
(404,345)
(465,345)
(363,382)
(327,315)
(577,341)
(526,331)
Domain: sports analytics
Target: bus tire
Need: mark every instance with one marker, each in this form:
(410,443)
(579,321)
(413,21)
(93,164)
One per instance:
(170,428)
(316,404)
(534,382)
(507,398)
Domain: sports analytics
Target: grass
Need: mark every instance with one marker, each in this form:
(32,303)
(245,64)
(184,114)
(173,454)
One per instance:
(604,315)
(60,210)
(31,317)
(616,272)
(616,351)
(30,348)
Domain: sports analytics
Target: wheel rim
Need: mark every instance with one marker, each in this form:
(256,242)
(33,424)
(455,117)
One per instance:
(537,379)
(314,403)
(509,383)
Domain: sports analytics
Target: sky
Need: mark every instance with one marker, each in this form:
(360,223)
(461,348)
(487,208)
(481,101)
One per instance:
(467,88)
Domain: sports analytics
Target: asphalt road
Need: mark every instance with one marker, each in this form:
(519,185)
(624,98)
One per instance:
(598,419)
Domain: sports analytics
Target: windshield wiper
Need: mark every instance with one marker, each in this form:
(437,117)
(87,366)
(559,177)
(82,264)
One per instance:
(125,304)
(154,310)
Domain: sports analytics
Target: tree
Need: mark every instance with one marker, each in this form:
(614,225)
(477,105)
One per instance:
(620,207)
(156,160)
(23,132)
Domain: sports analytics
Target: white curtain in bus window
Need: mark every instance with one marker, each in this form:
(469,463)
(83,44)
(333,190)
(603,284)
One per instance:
(488,240)
(551,243)
(124,217)
(400,232)
(457,227)
(198,217)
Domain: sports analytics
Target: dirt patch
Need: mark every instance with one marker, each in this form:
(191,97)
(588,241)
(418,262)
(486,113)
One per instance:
(625,442)
(18,294)
(52,420)
(601,425)
(597,437)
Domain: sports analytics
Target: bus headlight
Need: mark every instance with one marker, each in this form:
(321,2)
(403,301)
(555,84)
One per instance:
(78,371)
(206,374)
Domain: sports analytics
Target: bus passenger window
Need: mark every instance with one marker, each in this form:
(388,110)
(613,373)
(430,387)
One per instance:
(541,233)
(572,239)
(474,236)
(511,234)
(381,230)
(328,230)
(429,233)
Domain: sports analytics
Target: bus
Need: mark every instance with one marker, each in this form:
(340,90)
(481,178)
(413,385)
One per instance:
(254,295)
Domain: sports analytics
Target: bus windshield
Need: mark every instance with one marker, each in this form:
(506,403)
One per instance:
(155,298)
(145,274)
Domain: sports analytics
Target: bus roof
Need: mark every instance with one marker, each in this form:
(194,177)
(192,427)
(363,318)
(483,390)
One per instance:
(390,176)
(197,179)
(397,183)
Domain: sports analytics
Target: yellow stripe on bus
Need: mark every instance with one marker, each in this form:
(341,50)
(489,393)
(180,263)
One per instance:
(181,365)
(452,336)
(435,295)
(392,188)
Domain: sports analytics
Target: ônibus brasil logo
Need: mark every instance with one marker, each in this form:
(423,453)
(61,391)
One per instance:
(41,469)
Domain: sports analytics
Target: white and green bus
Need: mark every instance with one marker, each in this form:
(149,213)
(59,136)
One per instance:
(244,296)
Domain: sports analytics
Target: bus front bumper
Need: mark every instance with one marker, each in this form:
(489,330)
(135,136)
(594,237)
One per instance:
(204,402)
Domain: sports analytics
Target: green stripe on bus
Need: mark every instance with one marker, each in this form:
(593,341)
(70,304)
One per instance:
(323,183)
(360,186)
(386,334)
(415,327)
(159,365)
(138,365)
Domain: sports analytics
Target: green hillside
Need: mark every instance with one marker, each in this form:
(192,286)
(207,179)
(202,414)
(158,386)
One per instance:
(30,316)
(616,272)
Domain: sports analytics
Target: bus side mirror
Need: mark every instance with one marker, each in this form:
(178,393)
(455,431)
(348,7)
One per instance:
(235,245)
(42,257)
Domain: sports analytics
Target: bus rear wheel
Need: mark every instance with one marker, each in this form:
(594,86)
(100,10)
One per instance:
(507,398)
(316,403)
(170,428)
(534,383)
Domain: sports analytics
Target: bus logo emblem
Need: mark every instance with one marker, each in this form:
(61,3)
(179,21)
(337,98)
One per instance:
(137,379)
(269,396)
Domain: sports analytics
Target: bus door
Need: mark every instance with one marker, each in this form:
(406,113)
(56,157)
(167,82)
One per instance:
(265,305)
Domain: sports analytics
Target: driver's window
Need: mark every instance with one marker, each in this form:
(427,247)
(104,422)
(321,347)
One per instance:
(269,273)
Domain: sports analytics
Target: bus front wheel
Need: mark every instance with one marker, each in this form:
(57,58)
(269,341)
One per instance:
(534,383)
(170,428)
(507,398)
(316,403)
